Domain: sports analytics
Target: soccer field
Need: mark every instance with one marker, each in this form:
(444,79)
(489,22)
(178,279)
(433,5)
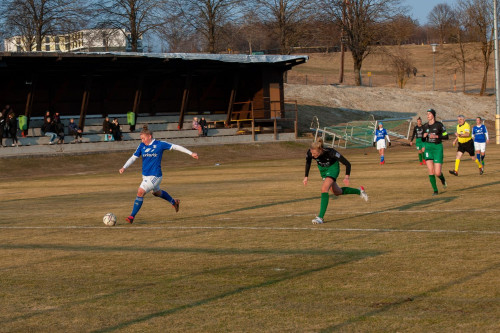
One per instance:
(242,255)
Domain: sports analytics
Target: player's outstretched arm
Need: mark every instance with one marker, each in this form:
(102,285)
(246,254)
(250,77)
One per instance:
(194,155)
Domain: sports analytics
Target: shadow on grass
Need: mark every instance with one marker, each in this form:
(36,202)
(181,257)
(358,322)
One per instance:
(231,251)
(345,257)
(276,203)
(354,256)
(389,306)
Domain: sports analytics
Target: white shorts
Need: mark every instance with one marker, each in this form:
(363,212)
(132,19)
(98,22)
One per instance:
(151,183)
(381,144)
(480,146)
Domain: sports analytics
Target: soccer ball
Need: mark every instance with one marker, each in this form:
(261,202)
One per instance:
(109,219)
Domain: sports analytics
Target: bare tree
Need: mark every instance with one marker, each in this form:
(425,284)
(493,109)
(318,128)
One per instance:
(285,17)
(462,51)
(400,29)
(400,62)
(177,33)
(133,17)
(207,17)
(441,18)
(362,23)
(33,20)
(478,15)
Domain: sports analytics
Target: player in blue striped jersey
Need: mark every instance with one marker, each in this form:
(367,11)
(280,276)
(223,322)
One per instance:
(480,136)
(151,151)
(379,141)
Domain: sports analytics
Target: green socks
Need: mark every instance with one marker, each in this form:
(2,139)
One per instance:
(325,197)
(432,178)
(324,204)
(420,157)
(350,190)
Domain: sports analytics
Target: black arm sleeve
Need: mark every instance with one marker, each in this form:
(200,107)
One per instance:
(308,163)
(347,164)
(414,133)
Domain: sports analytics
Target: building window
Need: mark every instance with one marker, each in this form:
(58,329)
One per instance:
(47,47)
(47,39)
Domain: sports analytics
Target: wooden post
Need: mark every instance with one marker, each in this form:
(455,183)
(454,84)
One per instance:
(232,98)
(296,127)
(185,100)
(29,105)
(85,102)
(275,129)
(253,121)
(137,101)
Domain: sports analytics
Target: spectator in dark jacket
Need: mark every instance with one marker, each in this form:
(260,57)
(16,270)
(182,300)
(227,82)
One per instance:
(74,130)
(116,130)
(59,126)
(204,126)
(107,129)
(12,125)
(49,129)
(3,125)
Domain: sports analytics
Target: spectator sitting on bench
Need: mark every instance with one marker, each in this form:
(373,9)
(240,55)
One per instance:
(75,131)
(49,129)
(107,129)
(59,126)
(116,130)
(196,125)
(204,126)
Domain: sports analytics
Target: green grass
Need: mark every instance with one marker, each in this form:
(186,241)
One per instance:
(242,254)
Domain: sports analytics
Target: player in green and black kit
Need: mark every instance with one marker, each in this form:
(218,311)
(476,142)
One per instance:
(418,132)
(434,134)
(328,164)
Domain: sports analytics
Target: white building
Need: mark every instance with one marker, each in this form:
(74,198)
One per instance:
(91,40)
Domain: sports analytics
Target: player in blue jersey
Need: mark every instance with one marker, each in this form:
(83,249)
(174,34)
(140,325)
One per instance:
(379,140)
(151,151)
(480,136)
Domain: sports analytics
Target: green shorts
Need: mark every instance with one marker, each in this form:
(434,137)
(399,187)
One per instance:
(332,171)
(434,152)
(419,143)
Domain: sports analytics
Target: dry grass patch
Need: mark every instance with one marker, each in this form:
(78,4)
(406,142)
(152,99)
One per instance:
(242,254)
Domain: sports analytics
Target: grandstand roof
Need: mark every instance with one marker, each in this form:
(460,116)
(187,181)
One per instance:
(145,83)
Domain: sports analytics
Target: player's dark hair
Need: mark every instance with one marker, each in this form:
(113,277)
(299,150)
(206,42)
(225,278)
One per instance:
(480,118)
(145,130)
(419,118)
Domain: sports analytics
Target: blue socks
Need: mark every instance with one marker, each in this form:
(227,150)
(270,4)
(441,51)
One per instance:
(166,196)
(381,158)
(137,205)
(138,202)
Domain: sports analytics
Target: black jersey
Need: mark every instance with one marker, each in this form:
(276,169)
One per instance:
(418,132)
(329,157)
(437,129)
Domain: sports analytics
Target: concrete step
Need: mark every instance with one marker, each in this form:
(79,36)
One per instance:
(93,120)
(98,147)
(163,135)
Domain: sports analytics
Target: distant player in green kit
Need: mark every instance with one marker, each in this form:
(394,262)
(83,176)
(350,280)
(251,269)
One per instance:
(434,134)
(328,164)
(418,132)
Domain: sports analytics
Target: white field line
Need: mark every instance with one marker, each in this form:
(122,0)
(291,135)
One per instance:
(318,228)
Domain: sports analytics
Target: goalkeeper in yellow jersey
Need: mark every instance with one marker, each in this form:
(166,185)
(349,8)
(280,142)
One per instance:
(465,144)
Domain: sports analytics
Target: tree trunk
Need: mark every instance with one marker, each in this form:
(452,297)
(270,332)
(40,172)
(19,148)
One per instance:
(357,70)
(463,79)
(485,78)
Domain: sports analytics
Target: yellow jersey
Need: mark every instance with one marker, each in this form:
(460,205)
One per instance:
(464,129)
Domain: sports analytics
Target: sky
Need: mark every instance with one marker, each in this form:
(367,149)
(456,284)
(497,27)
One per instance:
(420,9)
